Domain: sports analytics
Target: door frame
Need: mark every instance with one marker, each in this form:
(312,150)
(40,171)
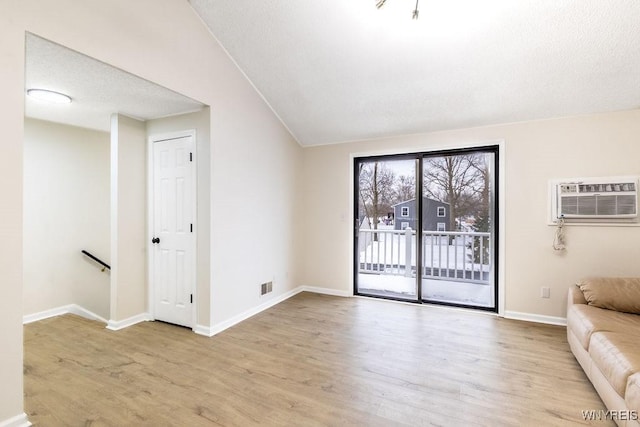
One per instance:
(408,156)
(500,188)
(151,139)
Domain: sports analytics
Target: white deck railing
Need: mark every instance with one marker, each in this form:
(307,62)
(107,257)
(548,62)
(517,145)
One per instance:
(450,255)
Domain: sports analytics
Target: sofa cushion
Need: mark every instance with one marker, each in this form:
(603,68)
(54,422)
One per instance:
(617,355)
(632,395)
(575,296)
(584,320)
(613,293)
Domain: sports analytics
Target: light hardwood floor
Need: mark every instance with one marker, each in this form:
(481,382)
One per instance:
(312,360)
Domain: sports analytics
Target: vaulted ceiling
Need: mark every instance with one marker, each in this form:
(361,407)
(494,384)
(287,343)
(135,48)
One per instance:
(338,70)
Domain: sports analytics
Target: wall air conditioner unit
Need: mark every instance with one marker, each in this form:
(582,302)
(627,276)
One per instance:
(595,200)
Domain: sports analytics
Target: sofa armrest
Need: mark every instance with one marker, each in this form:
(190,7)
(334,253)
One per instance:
(575,296)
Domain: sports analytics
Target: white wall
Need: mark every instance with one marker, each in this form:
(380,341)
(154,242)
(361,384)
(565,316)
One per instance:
(535,152)
(12,116)
(66,210)
(254,201)
(128,218)
(199,121)
(254,160)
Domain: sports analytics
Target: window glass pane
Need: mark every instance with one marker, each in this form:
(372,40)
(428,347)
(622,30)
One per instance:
(387,224)
(457,267)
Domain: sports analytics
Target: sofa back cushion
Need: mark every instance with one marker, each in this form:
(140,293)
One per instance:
(614,293)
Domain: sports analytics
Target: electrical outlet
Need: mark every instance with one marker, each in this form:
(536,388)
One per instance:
(545,292)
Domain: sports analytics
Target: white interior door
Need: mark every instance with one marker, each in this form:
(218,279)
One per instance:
(173,242)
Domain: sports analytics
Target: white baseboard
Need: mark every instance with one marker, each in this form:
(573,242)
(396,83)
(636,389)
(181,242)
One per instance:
(515,315)
(203,330)
(83,312)
(17,421)
(217,328)
(59,311)
(538,318)
(53,312)
(326,291)
(116,325)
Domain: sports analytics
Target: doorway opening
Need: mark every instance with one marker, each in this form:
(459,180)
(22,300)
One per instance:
(86,175)
(426,227)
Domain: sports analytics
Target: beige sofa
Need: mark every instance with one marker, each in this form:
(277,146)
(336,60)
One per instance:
(603,330)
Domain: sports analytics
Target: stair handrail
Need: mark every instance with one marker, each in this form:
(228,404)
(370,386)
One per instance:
(98,260)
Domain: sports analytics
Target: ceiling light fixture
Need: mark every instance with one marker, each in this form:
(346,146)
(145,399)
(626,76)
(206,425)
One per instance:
(49,96)
(415,14)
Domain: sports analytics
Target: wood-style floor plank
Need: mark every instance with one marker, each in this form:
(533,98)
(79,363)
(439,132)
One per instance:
(312,360)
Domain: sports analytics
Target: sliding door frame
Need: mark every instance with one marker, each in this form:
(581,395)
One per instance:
(497,149)
(356,226)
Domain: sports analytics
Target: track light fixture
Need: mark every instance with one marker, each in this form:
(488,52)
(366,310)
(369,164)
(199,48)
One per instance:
(414,15)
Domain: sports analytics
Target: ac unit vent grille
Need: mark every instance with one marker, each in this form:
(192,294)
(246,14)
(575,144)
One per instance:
(595,200)
(598,205)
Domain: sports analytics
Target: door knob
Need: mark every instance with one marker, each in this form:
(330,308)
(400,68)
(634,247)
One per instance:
(155,240)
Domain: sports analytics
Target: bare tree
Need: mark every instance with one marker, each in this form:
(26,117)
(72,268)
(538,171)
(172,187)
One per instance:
(404,189)
(483,215)
(376,191)
(480,253)
(456,180)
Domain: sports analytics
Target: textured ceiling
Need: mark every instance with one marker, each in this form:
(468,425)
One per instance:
(337,70)
(97,89)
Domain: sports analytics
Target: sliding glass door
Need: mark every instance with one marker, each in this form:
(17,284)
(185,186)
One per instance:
(425,227)
(386,227)
(458,210)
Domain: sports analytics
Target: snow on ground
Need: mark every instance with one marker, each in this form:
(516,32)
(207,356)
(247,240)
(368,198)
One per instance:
(435,290)
(392,251)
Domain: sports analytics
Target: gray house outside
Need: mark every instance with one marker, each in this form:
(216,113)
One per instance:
(435,215)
